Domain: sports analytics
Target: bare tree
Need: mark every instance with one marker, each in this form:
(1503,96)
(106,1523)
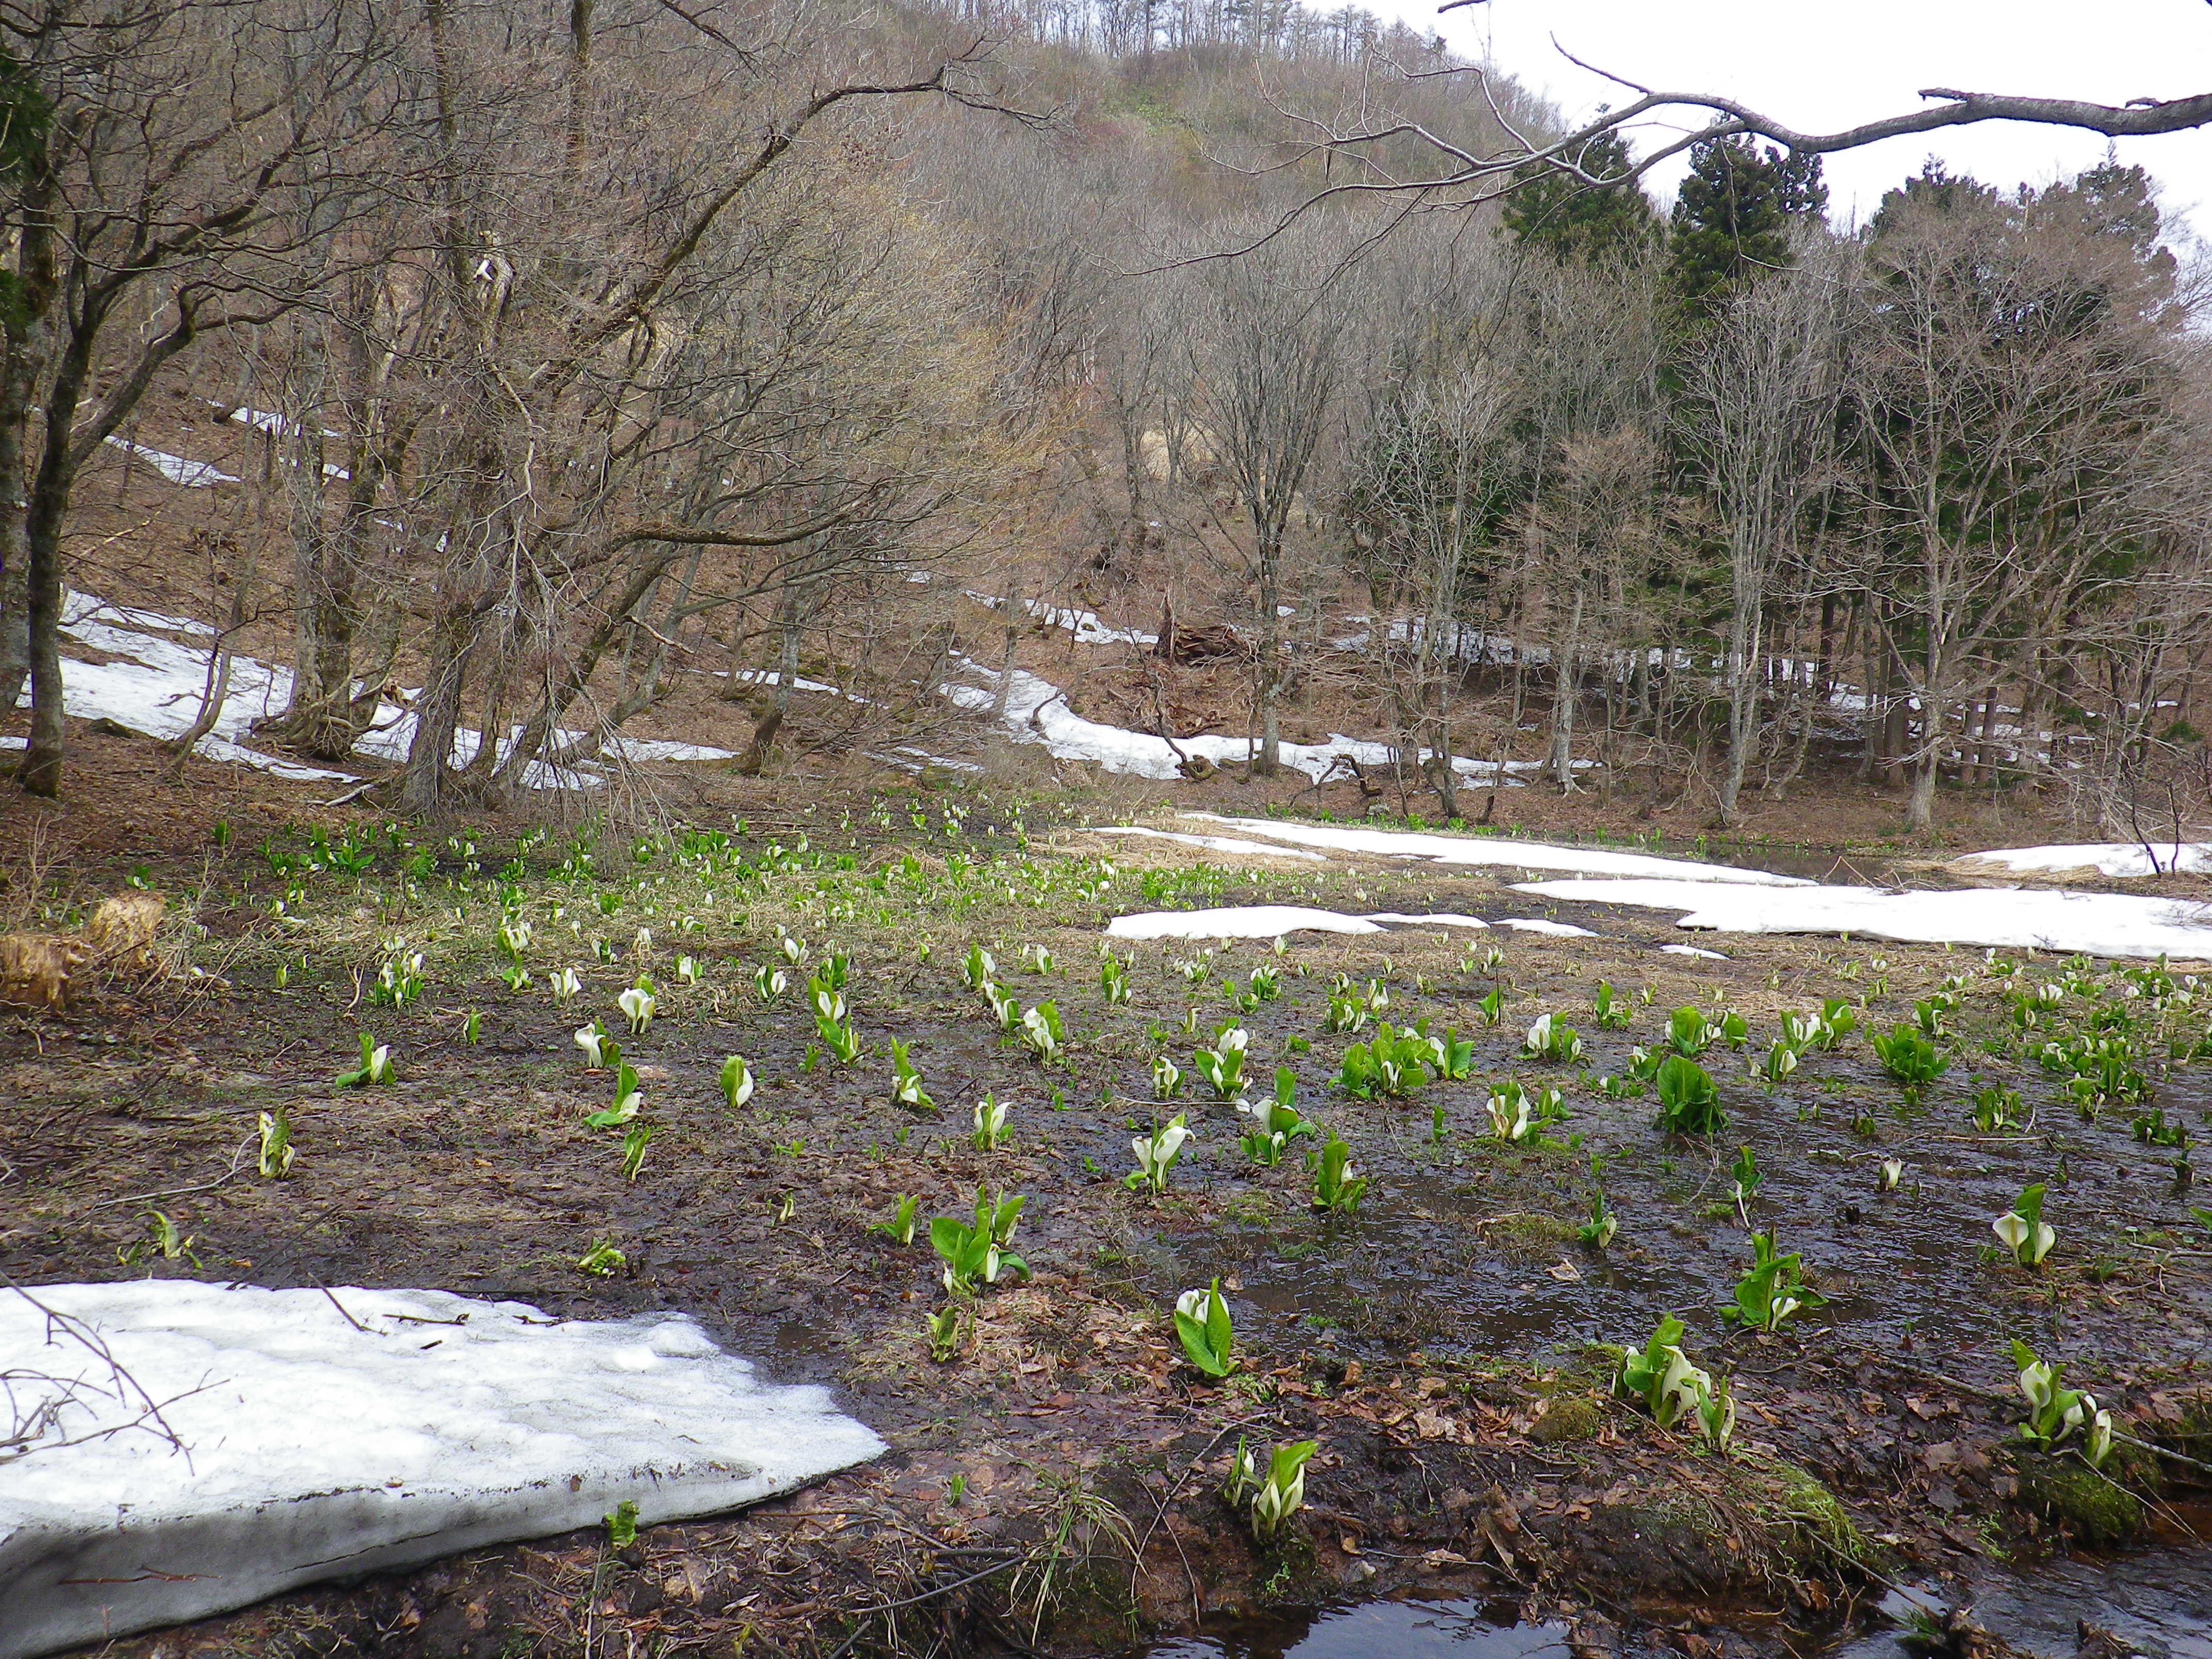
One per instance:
(152,205)
(1436,476)
(2008,386)
(1761,393)
(1268,373)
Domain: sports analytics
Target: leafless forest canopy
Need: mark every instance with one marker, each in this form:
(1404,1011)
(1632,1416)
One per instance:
(606,341)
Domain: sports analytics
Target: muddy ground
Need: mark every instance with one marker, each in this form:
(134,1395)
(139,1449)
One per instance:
(1057,1483)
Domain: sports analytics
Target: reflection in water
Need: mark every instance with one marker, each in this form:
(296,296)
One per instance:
(1380,1630)
(2157,1604)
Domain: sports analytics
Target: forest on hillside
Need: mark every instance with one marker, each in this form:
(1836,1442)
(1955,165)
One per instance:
(585,345)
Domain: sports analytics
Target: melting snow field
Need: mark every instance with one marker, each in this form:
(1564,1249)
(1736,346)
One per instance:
(1515,854)
(316,1451)
(2099,924)
(156,685)
(2107,858)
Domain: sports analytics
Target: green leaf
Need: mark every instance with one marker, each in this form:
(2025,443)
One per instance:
(622,1525)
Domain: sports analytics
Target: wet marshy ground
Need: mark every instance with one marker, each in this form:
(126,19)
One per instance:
(1444,1344)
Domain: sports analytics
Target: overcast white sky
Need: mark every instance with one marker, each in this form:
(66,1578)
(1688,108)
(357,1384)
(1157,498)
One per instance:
(1821,68)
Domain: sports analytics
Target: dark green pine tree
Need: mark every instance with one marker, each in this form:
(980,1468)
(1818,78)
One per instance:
(1570,220)
(1734,213)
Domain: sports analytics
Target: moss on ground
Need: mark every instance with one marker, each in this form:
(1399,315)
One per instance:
(1799,1506)
(1570,1417)
(2089,1504)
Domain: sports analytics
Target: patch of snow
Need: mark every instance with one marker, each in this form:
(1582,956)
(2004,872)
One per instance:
(1513,855)
(771,676)
(315,1450)
(1215,844)
(78,609)
(651,749)
(2107,858)
(1441,919)
(1236,921)
(157,687)
(1539,924)
(1468,643)
(193,475)
(262,420)
(2098,924)
(1084,624)
(1038,713)
(1692,951)
(393,734)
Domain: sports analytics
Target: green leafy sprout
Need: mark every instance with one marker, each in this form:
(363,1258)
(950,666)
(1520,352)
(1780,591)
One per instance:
(1201,1322)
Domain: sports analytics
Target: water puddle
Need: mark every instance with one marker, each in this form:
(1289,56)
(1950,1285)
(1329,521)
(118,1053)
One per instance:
(2158,1605)
(1379,1630)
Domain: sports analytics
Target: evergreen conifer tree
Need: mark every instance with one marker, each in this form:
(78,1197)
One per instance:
(1733,217)
(1572,221)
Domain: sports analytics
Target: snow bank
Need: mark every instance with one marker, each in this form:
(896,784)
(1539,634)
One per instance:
(2108,858)
(314,1450)
(1539,924)
(2099,924)
(1513,855)
(1036,713)
(1214,843)
(918,760)
(393,735)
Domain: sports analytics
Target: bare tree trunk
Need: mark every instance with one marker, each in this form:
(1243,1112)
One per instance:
(1014,614)
(16,373)
(423,789)
(217,685)
(1920,809)
(1565,690)
(1270,759)
(765,730)
(1745,662)
(40,772)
